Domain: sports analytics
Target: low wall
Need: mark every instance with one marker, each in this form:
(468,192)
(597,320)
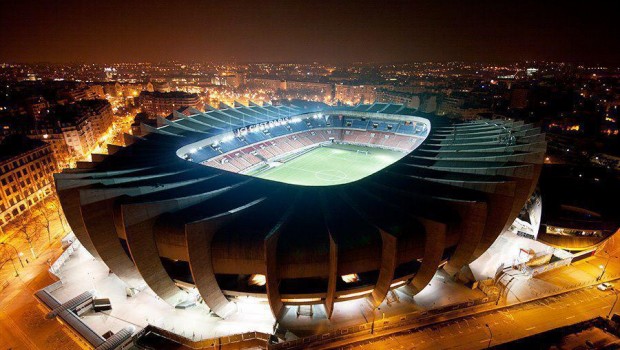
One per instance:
(378,325)
(261,340)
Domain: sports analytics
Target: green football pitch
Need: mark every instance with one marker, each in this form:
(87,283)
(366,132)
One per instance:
(329,165)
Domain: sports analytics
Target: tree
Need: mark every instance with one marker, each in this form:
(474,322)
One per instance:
(5,257)
(55,205)
(44,217)
(28,229)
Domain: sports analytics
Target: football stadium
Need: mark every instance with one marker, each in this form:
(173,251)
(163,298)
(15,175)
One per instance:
(300,203)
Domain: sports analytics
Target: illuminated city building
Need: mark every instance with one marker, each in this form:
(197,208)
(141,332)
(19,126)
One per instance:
(353,94)
(229,79)
(408,99)
(83,92)
(26,168)
(159,86)
(74,129)
(163,103)
(323,90)
(35,106)
(267,84)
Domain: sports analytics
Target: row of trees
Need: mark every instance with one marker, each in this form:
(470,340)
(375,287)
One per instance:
(32,224)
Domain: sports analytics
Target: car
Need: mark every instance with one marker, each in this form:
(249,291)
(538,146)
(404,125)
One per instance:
(605,286)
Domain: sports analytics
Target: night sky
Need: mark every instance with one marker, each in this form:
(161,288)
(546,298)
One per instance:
(307,31)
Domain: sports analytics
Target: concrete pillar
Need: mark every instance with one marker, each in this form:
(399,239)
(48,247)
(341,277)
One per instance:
(386,272)
(332,281)
(199,236)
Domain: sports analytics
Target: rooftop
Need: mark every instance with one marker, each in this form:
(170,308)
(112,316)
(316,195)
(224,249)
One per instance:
(17,144)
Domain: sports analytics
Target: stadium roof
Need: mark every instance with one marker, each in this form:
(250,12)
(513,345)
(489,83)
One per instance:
(449,192)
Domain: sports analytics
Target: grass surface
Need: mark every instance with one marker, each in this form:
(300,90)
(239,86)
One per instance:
(330,165)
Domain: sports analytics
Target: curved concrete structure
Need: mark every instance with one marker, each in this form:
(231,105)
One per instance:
(158,215)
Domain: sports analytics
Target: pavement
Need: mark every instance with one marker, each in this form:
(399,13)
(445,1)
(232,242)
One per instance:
(576,275)
(505,252)
(499,326)
(22,318)
(440,292)
(560,297)
(81,272)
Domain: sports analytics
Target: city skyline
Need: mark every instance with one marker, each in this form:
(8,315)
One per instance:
(366,31)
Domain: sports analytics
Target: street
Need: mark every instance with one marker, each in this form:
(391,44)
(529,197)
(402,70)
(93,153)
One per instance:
(505,325)
(22,318)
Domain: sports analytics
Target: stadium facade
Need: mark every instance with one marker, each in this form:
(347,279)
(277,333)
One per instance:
(174,211)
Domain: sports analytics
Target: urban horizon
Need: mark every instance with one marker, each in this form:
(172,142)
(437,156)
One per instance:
(275,31)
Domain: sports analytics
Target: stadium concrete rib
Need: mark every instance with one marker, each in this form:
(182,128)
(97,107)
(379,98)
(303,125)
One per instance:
(143,207)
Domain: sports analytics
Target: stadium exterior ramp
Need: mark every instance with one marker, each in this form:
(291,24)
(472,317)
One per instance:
(161,220)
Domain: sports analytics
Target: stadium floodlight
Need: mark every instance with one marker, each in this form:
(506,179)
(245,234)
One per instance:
(227,138)
(193,150)
(350,278)
(257,280)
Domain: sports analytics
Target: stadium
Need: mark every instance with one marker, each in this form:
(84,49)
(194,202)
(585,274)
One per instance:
(300,204)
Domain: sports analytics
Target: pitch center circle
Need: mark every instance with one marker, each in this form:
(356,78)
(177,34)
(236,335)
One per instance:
(331,175)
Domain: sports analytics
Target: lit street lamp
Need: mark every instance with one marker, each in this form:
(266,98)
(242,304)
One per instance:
(604,268)
(374,314)
(614,304)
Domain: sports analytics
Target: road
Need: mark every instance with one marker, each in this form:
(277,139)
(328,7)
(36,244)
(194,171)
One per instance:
(22,318)
(508,324)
